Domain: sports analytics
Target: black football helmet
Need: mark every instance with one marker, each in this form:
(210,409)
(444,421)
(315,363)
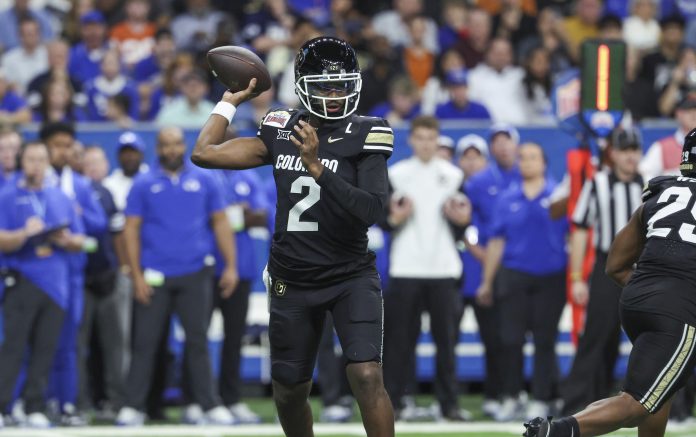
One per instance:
(327,77)
(688,161)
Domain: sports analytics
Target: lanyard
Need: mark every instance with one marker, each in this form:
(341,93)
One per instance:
(39,206)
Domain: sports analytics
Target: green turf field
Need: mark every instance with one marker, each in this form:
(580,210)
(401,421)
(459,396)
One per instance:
(264,407)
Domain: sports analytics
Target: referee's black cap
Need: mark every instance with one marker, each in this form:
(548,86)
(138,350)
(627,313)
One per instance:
(688,161)
(626,138)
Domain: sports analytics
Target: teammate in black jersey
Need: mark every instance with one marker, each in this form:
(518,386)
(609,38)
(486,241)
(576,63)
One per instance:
(330,169)
(658,310)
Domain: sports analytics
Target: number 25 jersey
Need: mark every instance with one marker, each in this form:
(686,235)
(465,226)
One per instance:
(320,230)
(664,281)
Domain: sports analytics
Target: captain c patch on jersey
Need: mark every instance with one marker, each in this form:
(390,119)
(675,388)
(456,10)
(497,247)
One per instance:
(277,118)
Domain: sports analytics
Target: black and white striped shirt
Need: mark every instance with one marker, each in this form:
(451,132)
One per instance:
(606,204)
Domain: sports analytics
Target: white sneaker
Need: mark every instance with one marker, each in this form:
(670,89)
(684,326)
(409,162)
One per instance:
(490,407)
(219,416)
(243,414)
(536,409)
(193,415)
(336,414)
(18,415)
(509,410)
(128,416)
(38,420)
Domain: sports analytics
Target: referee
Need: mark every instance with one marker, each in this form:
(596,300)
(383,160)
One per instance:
(605,205)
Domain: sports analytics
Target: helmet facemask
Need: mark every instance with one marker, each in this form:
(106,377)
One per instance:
(330,96)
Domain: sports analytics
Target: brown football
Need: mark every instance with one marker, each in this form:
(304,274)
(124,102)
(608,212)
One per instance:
(236,66)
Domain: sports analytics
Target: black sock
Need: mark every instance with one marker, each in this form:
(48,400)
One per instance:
(565,427)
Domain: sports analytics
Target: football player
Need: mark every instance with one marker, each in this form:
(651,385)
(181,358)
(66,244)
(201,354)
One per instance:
(330,170)
(658,310)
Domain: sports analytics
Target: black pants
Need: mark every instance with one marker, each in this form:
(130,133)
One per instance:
(487,319)
(34,320)
(403,304)
(189,296)
(331,374)
(529,303)
(592,375)
(234,312)
(101,318)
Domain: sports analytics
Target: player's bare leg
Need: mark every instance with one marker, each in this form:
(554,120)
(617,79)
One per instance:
(599,418)
(294,412)
(656,424)
(607,415)
(367,385)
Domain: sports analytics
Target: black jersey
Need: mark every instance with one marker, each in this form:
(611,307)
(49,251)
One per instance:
(665,277)
(321,226)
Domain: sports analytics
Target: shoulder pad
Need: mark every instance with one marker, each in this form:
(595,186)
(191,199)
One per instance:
(379,136)
(657,185)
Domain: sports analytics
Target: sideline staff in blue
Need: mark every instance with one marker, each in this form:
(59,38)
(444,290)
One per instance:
(483,190)
(36,234)
(173,215)
(530,291)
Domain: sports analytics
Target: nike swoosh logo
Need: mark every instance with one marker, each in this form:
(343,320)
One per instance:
(333,140)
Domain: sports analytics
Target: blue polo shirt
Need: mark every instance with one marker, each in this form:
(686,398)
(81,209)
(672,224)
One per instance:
(8,179)
(472,111)
(49,273)
(175,235)
(483,190)
(241,187)
(527,228)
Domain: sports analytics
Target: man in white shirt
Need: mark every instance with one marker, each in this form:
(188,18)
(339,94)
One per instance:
(131,150)
(497,84)
(392,24)
(425,265)
(191,109)
(24,63)
(664,155)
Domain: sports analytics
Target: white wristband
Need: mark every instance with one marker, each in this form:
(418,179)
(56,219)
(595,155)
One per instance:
(225,109)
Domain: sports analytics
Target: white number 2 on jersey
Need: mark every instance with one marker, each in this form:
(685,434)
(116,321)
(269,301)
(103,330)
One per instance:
(294,222)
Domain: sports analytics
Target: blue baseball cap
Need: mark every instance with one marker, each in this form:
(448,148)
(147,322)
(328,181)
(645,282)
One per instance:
(132,140)
(457,77)
(92,17)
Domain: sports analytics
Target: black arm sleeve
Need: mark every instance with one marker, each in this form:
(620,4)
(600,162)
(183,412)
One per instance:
(365,201)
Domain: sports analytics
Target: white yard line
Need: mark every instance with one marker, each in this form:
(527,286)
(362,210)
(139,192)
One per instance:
(275,430)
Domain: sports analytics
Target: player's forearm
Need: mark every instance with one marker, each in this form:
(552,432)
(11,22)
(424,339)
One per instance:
(11,241)
(491,262)
(578,247)
(224,238)
(209,139)
(366,206)
(131,238)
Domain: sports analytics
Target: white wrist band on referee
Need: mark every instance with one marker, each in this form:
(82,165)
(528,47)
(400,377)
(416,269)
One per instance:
(226,110)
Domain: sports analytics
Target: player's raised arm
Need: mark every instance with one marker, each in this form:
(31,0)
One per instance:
(211,152)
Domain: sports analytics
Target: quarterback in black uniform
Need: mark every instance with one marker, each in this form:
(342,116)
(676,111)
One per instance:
(330,169)
(658,310)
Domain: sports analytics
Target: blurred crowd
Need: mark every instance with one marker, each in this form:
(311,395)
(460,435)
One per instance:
(86,245)
(129,61)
